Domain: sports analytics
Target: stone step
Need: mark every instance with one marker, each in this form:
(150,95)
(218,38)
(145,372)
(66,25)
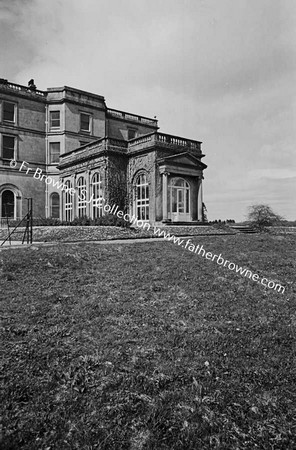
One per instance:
(185,224)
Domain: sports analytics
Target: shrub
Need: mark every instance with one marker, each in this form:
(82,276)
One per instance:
(262,216)
(107,220)
(111,220)
(46,222)
(80,221)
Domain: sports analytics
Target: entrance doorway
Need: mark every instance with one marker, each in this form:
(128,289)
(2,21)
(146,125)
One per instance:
(179,191)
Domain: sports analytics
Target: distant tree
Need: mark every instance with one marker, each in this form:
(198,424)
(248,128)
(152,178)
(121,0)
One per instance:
(262,216)
(204,213)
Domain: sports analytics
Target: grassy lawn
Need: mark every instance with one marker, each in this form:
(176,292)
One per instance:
(149,346)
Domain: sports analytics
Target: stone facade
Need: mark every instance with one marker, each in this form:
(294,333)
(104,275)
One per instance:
(102,154)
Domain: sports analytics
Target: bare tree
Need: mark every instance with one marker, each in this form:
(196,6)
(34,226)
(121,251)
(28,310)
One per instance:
(262,216)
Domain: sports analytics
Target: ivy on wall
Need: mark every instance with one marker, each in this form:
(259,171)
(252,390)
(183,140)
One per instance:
(116,181)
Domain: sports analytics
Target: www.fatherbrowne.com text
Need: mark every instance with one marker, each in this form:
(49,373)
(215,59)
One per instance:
(200,250)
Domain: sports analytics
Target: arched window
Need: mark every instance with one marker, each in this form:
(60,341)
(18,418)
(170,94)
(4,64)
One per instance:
(55,205)
(68,202)
(142,197)
(8,203)
(81,192)
(97,195)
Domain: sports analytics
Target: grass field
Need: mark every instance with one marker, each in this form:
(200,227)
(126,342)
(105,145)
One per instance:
(149,346)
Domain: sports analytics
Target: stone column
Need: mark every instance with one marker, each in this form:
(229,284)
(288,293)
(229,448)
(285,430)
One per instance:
(165,196)
(199,200)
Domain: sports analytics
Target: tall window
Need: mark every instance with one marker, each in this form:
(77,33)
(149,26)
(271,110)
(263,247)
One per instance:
(68,202)
(8,203)
(8,112)
(54,152)
(81,185)
(142,198)
(84,122)
(54,119)
(97,193)
(55,205)
(8,146)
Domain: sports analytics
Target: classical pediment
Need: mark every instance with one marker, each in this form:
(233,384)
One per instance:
(182,160)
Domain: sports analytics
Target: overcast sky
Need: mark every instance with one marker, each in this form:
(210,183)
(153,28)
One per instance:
(219,71)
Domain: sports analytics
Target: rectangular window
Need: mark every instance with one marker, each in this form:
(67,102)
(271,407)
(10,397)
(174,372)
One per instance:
(8,112)
(54,119)
(54,152)
(8,146)
(131,133)
(84,122)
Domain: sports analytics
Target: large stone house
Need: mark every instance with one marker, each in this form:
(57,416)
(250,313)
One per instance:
(71,136)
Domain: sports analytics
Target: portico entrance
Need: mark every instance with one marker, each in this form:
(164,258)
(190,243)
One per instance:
(181,193)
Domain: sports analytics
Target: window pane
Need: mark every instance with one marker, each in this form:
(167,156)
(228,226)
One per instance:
(84,122)
(54,152)
(180,182)
(55,119)
(187,201)
(131,134)
(7,204)
(81,183)
(97,193)
(8,147)
(8,111)
(55,206)
(68,202)
(174,200)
